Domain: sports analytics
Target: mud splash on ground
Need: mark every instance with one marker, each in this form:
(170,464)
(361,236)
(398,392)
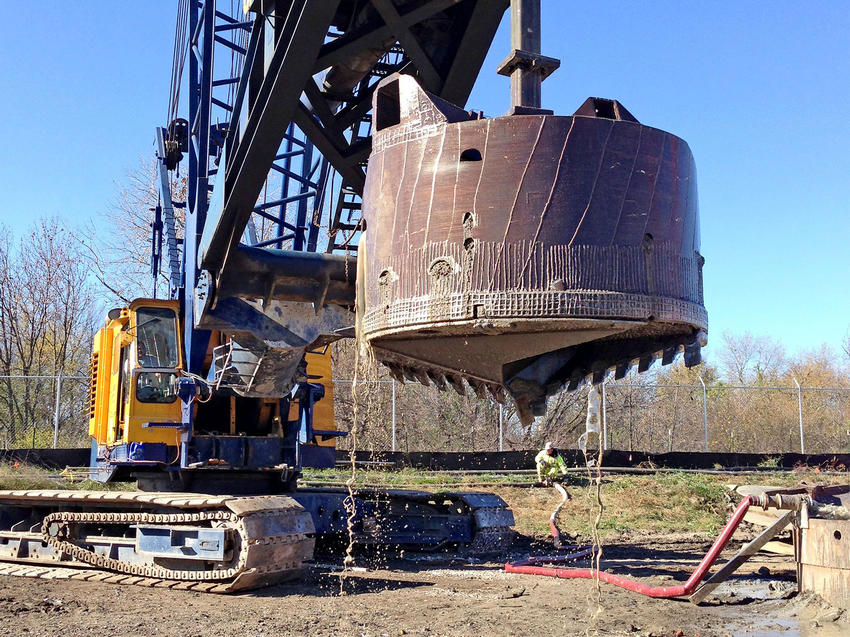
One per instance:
(444,595)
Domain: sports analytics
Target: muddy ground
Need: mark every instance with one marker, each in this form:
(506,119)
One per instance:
(436,595)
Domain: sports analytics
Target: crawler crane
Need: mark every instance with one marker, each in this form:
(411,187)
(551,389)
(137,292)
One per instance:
(510,257)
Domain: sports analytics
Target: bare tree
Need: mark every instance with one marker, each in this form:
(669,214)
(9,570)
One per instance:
(46,322)
(751,359)
(117,243)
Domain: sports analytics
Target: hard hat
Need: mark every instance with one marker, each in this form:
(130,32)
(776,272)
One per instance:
(548,446)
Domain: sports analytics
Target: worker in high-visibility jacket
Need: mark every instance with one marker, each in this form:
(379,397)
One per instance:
(550,464)
(551,467)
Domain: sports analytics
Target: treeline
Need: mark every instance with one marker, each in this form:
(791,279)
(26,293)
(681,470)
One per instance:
(55,286)
(749,403)
(47,317)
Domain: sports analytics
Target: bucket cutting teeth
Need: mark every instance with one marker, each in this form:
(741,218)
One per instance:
(396,373)
(498,393)
(646,362)
(456,383)
(438,379)
(478,387)
(529,393)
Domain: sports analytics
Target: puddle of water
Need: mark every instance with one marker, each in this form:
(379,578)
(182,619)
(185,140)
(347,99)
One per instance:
(786,627)
(749,589)
(777,617)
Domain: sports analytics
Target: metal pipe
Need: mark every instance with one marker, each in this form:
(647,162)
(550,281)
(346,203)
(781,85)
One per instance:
(681,590)
(394,384)
(501,426)
(525,36)
(292,263)
(800,413)
(56,411)
(604,417)
(704,412)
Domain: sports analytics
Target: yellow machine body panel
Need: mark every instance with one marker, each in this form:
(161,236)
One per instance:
(320,370)
(101,374)
(136,361)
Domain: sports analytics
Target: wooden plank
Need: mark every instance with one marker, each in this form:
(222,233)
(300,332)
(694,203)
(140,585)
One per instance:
(826,543)
(762,518)
(779,548)
(833,584)
(740,557)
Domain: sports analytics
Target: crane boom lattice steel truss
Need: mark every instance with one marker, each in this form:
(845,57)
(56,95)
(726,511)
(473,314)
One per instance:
(278,134)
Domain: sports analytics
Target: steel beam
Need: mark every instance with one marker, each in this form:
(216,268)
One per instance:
(429,76)
(301,35)
(374,34)
(525,36)
(328,144)
(289,275)
(202,23)
(526,67)
(469,57)
(172,250)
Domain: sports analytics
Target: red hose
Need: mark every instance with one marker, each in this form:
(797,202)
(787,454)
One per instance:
(681,590)
(577,552)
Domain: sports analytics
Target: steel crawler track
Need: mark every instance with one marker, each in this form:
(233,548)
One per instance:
(97,535)
(53,535)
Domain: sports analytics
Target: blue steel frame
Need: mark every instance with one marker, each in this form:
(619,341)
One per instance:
(287,221)
(322,147)
(315,209)
(304,178)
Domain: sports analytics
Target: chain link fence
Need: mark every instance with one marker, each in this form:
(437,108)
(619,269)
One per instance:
(727,418)
(40,412)
(53,411)
(638,415)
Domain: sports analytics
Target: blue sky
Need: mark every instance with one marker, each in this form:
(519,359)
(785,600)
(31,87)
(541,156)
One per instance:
(760,91)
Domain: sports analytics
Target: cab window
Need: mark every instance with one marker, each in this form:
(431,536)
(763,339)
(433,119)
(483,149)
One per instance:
(156,337)
(156,387)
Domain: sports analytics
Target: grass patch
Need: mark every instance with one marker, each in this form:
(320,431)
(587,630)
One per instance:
(656,504)
(408,477)
(635,505)
(653,504)
(20,476)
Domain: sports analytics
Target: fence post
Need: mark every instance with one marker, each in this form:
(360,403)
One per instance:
(56,411)
(704,411)
(394,383)
(501,425)
(604,416)
(800,413)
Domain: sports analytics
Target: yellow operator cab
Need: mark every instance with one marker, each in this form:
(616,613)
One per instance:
(136,360)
